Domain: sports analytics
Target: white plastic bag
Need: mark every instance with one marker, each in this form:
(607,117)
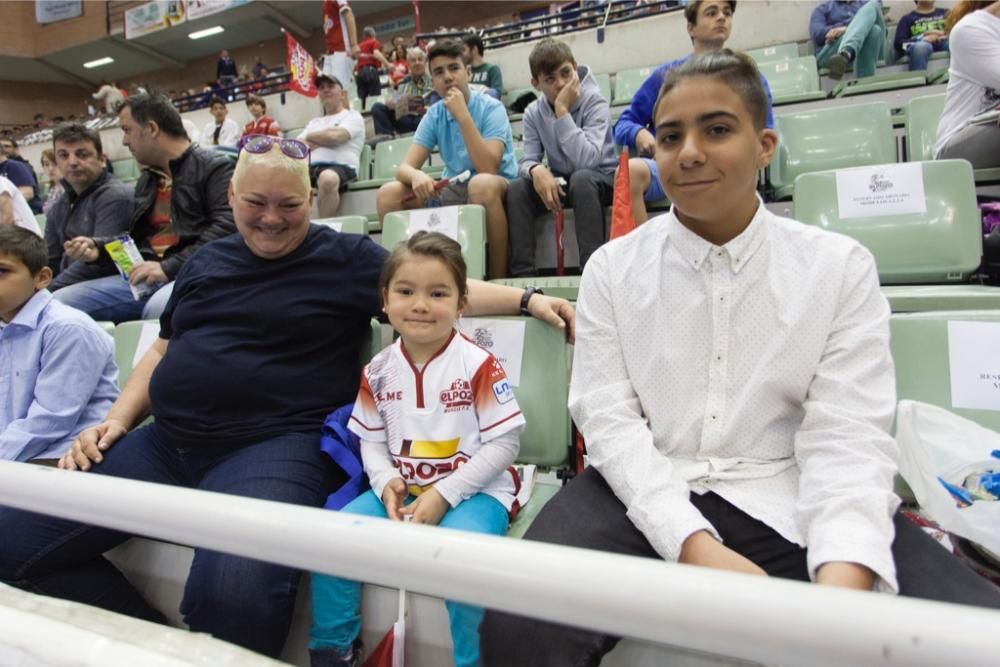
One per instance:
(934,442)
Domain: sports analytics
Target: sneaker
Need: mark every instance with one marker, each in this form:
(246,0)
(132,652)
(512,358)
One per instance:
(331,657)
(838,66)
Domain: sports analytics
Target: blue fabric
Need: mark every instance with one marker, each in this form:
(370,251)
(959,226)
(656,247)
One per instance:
(655,190)
(865,36)
(109,299)
(439,129)
(639,114)
(57,377)
(22,175)
(344,448)
(831,14)
(912,26)
(239,600)
(336,602)
(260,347)
(920,53)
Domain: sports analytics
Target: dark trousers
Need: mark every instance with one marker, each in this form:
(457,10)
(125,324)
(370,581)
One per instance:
(243,601)
(586,513)
(385,122)
(588,192)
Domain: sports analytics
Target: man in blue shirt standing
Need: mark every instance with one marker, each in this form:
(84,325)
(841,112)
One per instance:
(848,31)
(472,132)
(709,23)
(59,364)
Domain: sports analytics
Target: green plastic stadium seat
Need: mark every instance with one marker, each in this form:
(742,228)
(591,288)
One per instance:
(127,335)
(365,163)
(604,83)
(941,246)
(346,224)
(126,170)
(294,133)
(388,156)
(792,80)
(769,54)
(628,82)
(823,139)
(926,298)
(919,344)
(40,219)
(879,83)
(540,495)
(566,287)
(922,115)
(471,235)
(109,327)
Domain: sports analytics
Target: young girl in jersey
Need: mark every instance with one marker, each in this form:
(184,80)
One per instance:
(439,431)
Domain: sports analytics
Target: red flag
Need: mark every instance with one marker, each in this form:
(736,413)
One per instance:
(389,652)
(622,220)
(560,220)
(302,68)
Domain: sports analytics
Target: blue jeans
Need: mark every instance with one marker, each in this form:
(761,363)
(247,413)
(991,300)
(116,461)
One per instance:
(110,299)
(236,599)
(336,602)
(920,52)
(865,36)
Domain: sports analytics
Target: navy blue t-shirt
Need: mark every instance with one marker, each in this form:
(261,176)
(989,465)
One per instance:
(22,175)
(263,347)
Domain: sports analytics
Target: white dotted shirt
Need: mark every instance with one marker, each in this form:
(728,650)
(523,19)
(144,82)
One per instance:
(759,370)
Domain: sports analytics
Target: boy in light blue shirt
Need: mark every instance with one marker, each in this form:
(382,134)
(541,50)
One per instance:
(472,133)
(57,368)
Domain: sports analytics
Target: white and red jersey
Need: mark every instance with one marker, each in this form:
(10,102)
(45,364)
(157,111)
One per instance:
(436,418)
(334,28)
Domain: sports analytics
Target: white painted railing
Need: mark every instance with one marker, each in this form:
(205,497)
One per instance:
(765,620)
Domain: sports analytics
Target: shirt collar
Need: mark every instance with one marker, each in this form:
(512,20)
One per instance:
(694,249)
(31,311)
(72,194)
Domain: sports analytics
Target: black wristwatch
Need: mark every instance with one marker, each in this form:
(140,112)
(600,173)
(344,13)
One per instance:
(526,297)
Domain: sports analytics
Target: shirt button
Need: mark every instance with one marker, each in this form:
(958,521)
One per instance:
(713,416)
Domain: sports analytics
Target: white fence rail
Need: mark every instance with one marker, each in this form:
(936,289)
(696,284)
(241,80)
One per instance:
(765,620)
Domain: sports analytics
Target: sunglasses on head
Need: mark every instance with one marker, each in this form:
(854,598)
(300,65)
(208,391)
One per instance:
(262,143)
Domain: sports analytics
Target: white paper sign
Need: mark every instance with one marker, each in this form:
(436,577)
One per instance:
(974,360)
(888,189)
(335,226)
(770,51)
(150,332)
(781,67)
(443,219)
(504,339)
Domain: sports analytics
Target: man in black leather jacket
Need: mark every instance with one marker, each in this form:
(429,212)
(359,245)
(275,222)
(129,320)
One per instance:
(181,203)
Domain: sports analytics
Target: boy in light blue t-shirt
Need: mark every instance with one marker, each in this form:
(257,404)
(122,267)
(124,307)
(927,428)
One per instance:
(472,133)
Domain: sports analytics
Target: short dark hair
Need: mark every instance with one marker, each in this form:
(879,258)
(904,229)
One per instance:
(474,41)
(691,10)
(12,140)
(69,133)
(146,108)
(426,244)
(256,99)
(216,100)
(547,56)
(736,70)
(27,246)
(449,48)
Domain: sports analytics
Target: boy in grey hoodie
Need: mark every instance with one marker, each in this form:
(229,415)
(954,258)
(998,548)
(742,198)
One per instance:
(571,125)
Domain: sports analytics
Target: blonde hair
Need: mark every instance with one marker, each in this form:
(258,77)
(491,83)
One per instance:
(274,159)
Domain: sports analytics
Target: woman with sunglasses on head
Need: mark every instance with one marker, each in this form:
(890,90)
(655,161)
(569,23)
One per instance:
(260,340)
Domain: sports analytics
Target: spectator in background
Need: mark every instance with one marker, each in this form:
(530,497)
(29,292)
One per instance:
(54,180)
(485,77)
(59,365)
(181,203)
(226,71)
(15,169)
(846,32)
(335,140)
(222,132)
(341,39)
(192,130)
(95,205)
(41,122)
(920,33)
(399,68)
(109,95)
(14,209)
(973,86)
(709,24)
(366,72)
(261,123)
(257,67)
(403,111)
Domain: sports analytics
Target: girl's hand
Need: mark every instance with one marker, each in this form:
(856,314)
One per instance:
(392,497)
(429,507)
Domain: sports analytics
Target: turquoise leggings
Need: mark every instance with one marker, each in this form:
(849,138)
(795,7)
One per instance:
(866,37)
(336,602)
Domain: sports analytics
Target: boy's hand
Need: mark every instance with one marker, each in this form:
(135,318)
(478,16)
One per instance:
(81,249)
(429,508)
(393,496)
(90,445)
(568,96)
(422,185)
(645,143)
(454,101)
(702,549)
(147,272)
(546,187)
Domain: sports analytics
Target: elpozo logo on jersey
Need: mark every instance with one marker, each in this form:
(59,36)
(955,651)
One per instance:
(458,396)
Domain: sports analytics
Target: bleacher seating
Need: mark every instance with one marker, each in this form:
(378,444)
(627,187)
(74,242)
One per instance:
(126,170)
(627,84)
(774,53)
(387,158)
(346,224)
(604,83)
(922,116)
(471,235)
(40,219)
(792,80)
(879,83)
(826,139)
